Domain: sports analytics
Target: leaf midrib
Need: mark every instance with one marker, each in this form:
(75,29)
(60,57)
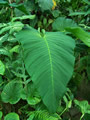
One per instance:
(50,59)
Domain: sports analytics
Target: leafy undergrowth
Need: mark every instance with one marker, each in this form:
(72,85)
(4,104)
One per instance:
(44,60)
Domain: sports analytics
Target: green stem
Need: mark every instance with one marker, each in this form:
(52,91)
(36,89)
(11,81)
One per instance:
(81,116)
(63,111)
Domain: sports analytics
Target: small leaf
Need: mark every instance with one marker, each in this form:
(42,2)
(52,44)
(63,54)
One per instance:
(2,68)
(15,49)
(61,23)
(12,116)
(12,92)
(30,94)
(21,7)
(23,17)
(45,4)
(31,117)
(4,51)
(33,100)
(1,114)
(77,13)
(55,13)
(84,106)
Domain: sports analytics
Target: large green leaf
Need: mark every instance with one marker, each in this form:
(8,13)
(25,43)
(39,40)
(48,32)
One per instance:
(45,4)
(49,60)
(81,34)
(12,116)
(63,24)
(12,92)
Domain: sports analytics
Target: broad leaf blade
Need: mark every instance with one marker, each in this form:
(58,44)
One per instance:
(49,60)
(81,34)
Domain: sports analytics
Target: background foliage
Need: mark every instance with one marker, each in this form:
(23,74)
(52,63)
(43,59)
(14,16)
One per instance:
(43,46)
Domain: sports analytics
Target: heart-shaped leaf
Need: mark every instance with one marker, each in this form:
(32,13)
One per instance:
(12,116)
(12,92)
(49,60)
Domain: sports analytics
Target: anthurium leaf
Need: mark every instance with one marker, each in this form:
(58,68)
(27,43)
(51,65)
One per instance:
(12,92)
(49,60)
(2,68)
(45,4)
(61,23)
(12,116)
(81,34)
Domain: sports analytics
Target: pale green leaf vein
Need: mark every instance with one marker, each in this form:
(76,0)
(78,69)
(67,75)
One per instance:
(50,59)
